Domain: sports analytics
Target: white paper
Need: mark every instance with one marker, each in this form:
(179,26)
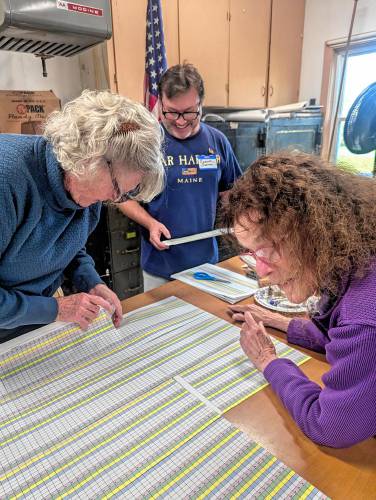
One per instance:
(238,288)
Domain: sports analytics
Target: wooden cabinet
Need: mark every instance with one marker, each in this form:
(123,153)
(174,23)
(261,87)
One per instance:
(248,51)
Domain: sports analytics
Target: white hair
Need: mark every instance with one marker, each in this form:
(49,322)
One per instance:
(101,126)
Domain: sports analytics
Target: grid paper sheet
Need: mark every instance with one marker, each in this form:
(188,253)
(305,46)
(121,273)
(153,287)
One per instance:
(97,414)
(227,378)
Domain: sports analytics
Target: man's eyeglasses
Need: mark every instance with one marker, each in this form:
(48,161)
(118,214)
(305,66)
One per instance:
(187,115)
(268,255)
(119,196)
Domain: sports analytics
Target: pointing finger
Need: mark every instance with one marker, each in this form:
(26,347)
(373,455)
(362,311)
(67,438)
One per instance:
(249,319)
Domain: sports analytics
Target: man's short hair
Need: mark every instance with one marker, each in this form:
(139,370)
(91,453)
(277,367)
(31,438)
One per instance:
(179,79)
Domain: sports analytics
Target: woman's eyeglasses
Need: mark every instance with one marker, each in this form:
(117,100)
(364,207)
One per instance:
(188,116)
(119,196)
(268,255)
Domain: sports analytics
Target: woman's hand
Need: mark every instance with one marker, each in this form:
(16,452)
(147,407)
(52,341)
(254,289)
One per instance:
(268,318)
(81,308)
(256,343)
(109,296)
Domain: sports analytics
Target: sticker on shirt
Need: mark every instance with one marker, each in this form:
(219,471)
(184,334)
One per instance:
(207,162)
(189,171)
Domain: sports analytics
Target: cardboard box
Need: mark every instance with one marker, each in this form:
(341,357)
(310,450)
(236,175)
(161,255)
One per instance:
(23,111)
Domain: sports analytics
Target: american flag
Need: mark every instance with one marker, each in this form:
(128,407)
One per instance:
(155,59)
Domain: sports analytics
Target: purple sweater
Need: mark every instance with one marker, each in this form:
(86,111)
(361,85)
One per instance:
(344,411)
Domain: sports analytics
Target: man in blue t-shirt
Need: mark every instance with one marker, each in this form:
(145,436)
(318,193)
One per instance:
(200,165)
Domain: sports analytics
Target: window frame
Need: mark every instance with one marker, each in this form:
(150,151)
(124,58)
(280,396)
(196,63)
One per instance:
(334,57)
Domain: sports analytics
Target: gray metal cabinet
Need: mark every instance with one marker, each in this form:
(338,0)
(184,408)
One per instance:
(115,248)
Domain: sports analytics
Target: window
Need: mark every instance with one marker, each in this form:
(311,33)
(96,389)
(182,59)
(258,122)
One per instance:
(360,72)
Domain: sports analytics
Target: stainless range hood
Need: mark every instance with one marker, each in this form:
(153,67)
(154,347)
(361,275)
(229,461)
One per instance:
(49,28)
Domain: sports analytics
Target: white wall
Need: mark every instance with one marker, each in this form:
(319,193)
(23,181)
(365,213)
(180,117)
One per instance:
(24,72)
(327,20)
(67,76)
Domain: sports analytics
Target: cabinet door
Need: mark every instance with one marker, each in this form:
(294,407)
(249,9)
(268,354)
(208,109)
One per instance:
(171,30)
(285,51)
(129,33)
(249,47)
(204,41)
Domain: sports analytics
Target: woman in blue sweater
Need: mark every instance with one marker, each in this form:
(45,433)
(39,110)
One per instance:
(101,146)
(312,229)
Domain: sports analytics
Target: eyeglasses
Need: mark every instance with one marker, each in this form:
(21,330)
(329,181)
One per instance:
(119,196)
(188,116)
(268,255)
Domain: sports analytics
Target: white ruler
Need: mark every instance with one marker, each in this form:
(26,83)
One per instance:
(195,237)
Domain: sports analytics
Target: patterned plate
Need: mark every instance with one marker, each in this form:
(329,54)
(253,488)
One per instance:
(277,302)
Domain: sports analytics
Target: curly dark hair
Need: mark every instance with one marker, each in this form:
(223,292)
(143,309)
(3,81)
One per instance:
(326,215)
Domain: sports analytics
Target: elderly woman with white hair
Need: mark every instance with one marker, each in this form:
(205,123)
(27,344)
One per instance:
(101,146)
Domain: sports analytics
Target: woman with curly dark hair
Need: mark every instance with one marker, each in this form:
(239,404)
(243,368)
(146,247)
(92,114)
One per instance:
(312,229)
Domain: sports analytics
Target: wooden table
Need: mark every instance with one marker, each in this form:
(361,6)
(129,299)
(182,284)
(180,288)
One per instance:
(341,474)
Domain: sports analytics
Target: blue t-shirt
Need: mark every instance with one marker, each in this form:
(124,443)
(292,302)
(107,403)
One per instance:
(197,169)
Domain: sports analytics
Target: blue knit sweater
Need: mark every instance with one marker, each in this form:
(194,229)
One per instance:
(43,233)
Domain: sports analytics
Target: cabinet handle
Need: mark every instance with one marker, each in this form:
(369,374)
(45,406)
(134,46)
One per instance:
(128,251)
(133,288)
(271,90)
(263,90)
(132,250)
